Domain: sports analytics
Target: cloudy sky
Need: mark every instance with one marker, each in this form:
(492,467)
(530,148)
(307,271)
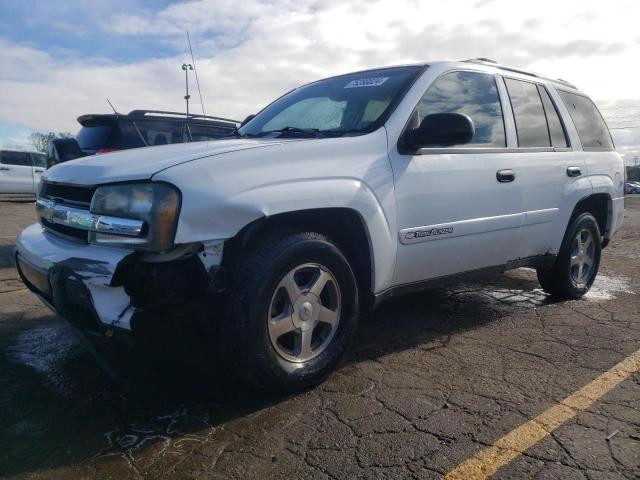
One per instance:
(61,59)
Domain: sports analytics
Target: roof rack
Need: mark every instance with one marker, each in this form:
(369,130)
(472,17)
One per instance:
(180,114)
(493,63)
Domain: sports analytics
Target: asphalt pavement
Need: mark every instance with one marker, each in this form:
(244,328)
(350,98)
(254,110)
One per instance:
(489,378)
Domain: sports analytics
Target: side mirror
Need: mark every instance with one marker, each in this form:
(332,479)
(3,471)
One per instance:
(247,119)
(440,130)
(62,150)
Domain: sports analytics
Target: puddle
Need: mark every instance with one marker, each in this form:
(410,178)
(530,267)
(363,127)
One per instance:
(45,349)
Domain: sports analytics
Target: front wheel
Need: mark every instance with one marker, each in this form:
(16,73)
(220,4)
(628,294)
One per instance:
(292,312)
(577,264)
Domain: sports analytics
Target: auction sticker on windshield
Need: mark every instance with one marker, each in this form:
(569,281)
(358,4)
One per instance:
(367,82)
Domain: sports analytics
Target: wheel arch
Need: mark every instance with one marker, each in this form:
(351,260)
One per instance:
(345,226)
(601,207)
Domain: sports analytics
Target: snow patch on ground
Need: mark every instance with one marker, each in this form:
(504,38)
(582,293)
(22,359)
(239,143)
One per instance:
(605,287)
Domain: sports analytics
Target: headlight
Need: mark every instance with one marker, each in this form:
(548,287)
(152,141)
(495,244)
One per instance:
(157,204)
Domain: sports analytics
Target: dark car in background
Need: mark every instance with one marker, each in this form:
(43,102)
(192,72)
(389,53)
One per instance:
(104,133)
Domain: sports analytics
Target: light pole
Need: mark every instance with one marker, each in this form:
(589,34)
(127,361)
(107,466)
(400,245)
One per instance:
(186,67)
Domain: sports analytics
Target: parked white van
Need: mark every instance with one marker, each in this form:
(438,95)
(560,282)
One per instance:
(20,172)
(337,195)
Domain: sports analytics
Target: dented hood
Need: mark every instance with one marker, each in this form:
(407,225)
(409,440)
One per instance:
(143,163)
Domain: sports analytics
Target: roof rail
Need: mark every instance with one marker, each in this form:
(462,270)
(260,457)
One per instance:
(180,114)
(564,82)
(480,60)
(493,63)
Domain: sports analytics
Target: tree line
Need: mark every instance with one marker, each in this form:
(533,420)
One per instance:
(40,140)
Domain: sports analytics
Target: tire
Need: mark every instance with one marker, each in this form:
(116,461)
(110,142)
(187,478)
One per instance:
(284,345)
(570,277)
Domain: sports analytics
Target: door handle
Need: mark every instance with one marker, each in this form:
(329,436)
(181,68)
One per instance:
(5,168)
(38,170)
(574,172)
(505,176)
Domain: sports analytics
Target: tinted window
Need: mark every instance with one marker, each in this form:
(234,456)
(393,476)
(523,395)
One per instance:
(159,132)
(39,160)
(94,138)
(16,158)
(200,133)
(473,94)
(591,128)
(558,137)
(531,123)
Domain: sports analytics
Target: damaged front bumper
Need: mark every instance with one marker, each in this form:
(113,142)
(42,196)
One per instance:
(101,290)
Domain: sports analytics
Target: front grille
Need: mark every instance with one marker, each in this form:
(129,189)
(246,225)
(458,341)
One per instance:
(78,196)
(72,195)
(75,233)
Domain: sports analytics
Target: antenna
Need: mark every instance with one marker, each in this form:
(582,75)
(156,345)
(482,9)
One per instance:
(193,61)
(111,105)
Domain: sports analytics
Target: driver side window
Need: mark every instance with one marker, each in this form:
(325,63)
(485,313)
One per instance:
(473,94)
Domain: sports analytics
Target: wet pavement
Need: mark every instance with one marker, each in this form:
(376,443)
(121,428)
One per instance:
(432,378)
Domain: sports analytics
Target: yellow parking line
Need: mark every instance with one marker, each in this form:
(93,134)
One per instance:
(486,462)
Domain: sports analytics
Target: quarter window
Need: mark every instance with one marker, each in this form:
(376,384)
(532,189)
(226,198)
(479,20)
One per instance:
(558,137)
(473,94)
(531,123)
(592,130)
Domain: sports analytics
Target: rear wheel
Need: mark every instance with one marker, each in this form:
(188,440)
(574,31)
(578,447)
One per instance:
(292,312)
(577,264)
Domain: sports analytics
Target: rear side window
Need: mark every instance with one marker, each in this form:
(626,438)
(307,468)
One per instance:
(592,130)
(159,132)
(200,133)
(556,130)
(473,94)
(531,123)
(15,158)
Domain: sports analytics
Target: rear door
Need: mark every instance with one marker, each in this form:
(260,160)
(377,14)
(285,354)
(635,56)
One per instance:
(542,163)
(16,173)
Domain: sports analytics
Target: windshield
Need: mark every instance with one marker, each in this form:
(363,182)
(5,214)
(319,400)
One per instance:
(349,104)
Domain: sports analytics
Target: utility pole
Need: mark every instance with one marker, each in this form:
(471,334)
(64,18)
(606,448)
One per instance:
(186,67)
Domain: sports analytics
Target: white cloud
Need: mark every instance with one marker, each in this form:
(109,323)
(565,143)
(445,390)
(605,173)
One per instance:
(250,52)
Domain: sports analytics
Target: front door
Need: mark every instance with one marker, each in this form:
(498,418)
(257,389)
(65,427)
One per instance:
(458,208)
(16,173)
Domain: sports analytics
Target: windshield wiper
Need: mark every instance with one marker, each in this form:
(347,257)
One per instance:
(311,132)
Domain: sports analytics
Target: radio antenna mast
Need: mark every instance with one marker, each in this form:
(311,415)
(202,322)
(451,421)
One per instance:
(193,61)
(112,107)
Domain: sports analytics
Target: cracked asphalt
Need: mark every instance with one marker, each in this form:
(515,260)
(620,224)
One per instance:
(433,378)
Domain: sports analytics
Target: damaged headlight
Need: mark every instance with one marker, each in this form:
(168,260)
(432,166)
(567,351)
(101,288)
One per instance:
(156,204)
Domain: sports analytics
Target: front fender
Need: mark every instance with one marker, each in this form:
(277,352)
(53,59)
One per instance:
(228,217)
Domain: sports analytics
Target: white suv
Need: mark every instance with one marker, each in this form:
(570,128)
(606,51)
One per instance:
(337,195)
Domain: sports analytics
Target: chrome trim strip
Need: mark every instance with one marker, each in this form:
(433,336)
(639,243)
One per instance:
(85,220)
(477,150)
